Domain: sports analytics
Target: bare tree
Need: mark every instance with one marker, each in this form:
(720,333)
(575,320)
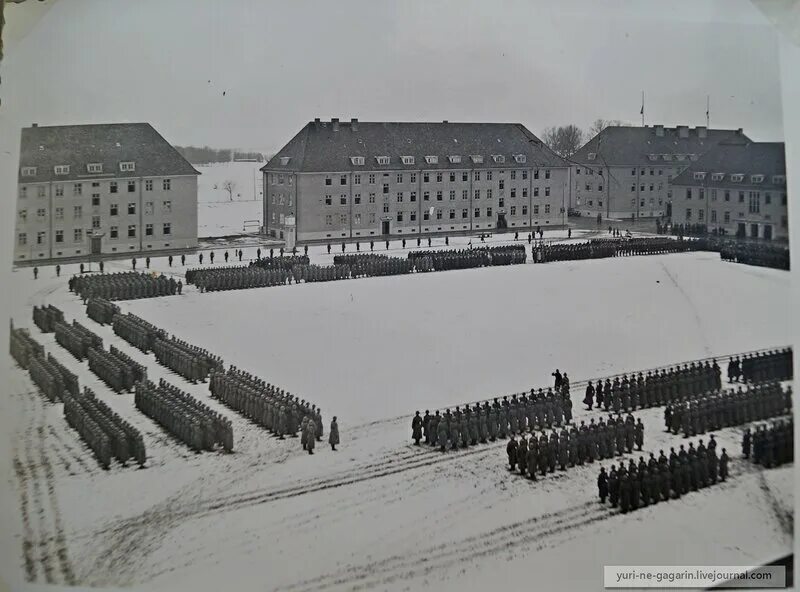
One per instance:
(229,186)
(564,140)
(600,124)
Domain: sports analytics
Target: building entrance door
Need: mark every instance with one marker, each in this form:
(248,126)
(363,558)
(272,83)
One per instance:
(754,231)
(96,246)
(741,230)
(768,232)
(501,221)
(384,227)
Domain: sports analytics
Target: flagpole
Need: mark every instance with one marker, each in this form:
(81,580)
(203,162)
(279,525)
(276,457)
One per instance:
(708,111)
(642,111)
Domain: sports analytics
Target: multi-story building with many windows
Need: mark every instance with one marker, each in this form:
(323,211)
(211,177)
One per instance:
(102,189)
(355,180)
(624,172)
(737,186)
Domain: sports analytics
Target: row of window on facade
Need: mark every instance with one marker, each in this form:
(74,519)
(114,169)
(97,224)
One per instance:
(77,188)
(726,216)
(439,214)
(439,177)
(431,159)
(77,211)
(654,157)
(91,168)
(78,234)
(754,196)
(739,177)
(426,196)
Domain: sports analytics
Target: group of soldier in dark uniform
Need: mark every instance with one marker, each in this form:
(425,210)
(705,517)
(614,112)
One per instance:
(603,248)
(194,423)
(76,339)
(772,365)
(118,370)
(662,479)
(126,285)
(190,361)
(280,412)
(576,446)
(101,310)
(772,444)
(46,317)
(761,254)
(720,409)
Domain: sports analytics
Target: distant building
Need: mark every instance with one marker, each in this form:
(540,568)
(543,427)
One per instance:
(624,172)
(738,186)
(355,180)
(102,189)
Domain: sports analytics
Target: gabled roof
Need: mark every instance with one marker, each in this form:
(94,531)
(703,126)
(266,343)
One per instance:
(632,146)
(46,147)
(733,158)
(318,148)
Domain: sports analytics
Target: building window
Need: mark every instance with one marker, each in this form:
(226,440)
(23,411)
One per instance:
(741,197)
(465,213)
(426,196)
(488,194)
(95,222)
(439,195)
(413,196)
(426,215)
(524,210)
(77,211)
(328,200)
(77,189)
(356,179)
(149,207)
(357,219)
(547,192)
(464,194)
(41,213)
(127,167)
(536,210)
(62,169)
(148,185)
(328,181)
(477,194)
(77,235)
(413,216)
(755,202)
(588,187)
(488,175)
(166,205)
(372,218)
(488,212)
(688,214)
(372,179)
(767,199)
(23,192)
(438,214)
(513,210)
(131,186)
(783,199)
(28,171)
(413,177)
(372,198)
(131,208)
(514,174)
(40,237)
(59,213)
(426,177)
(386,188)
(112,186)
(167,229)
(652,187)
(399,197)
(114,232)
(59,236)
(452,177)
(536,191)
(386,208)
(501,203)
(477,175)
(452,195)
(42,192)
(452,214)
(713,215)
(342,179)
(343,218)
(536,173)
(23,215)
(22,239)
(343,200)
(438,177)
(546,208)
(399,216)
(524,174)
(356,199)
(727,217)
(700,214)
(464,177)
(513,192)
(328,220)
(524,192)
(131,230)
(166,184)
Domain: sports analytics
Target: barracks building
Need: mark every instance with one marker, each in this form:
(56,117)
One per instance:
(625,172)
(102,189)
(350,180)
(736,186)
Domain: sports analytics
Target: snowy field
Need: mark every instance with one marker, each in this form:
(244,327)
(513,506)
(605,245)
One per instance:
(217,214)
(381,513)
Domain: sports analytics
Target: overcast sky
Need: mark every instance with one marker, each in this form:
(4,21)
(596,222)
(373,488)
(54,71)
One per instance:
(281,64)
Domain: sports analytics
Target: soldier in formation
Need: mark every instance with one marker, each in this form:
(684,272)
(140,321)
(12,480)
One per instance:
(191,362)
(761,254)
(602,248)
(773,443)
(720,409)
(661,479)
(123,286)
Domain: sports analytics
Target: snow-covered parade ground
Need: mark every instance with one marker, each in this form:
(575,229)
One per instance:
(381,513)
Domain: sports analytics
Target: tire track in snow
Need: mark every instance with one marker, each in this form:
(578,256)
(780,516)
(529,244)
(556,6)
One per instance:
(695,313)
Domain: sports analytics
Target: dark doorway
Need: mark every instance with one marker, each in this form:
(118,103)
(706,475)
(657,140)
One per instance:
(767,232)
(669,209)
(741,230)
(96,247)
(501,221)
(384,227)
(754,231)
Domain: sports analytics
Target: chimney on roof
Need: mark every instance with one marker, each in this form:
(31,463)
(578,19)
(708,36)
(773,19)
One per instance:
(444,121)
(335,122)
(316,123)
(702,131)
(34,125)
(739,131)
(354,124)
(683,131)
(659,130)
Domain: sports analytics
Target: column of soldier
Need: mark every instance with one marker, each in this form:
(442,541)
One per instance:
(125,285)
(106,433)
(101,311)
(77,339)
(481,422)
(136,331)
(721,409)
(761,254)
(443,260)
(45,317)
(281,413)
(757,367)
(772,444)
(23,347)
(191,362)
(195,424)
(576,446)
(662,479)
(602,248)
(118,370)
